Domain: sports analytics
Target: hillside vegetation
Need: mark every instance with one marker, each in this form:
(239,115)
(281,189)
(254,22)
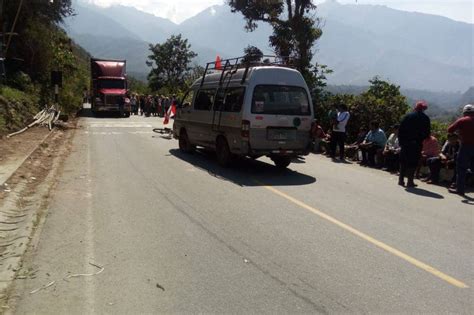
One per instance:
(40,47)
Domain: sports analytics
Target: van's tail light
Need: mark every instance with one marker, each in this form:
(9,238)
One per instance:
(245,129)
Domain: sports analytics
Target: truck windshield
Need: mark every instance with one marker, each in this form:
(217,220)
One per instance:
(111,84)
(280,100)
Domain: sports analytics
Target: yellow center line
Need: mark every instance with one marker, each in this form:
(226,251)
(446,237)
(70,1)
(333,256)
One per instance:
(372,240)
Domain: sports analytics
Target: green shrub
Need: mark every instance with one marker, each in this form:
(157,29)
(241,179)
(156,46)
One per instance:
(17,109)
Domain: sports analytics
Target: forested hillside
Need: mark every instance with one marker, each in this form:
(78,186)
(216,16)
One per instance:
(39,48)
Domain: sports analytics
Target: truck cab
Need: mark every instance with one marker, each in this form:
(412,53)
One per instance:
(109,86)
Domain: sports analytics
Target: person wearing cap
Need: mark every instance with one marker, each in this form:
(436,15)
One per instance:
(465,128)
(414,128)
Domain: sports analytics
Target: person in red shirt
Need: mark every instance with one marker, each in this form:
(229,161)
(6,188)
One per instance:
(430,149)
(465,128)
(317,135)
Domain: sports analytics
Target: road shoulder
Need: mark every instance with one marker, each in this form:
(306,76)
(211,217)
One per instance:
(34,161)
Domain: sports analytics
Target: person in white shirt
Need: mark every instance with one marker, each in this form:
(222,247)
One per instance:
(391,152)
(338,135)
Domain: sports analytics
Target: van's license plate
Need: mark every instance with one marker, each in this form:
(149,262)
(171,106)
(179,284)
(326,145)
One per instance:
(281,134)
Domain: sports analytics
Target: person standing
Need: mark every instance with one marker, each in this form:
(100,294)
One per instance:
(133,103)
(338,134)
(414,128)
(148,106)
(85,96)
(465,127)
(142,104)
(121,103)
(167,104)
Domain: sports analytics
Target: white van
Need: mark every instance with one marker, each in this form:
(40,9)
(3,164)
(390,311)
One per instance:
(253,111)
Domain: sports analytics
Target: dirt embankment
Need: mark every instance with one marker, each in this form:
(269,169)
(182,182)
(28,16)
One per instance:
(24,198)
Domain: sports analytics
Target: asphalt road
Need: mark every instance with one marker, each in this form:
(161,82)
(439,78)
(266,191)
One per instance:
(176,233)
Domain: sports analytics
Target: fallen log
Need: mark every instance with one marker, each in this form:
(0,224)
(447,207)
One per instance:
(46,117)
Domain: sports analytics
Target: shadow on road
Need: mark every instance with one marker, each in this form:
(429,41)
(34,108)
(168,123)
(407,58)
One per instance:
(468,200)
(163,137)
(424,193)
(245,171)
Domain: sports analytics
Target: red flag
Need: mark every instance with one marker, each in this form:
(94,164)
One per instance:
(170,113)
(218,64)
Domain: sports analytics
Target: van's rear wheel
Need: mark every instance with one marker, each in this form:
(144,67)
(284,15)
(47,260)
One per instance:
(224,156)
(281,162)
(184,144)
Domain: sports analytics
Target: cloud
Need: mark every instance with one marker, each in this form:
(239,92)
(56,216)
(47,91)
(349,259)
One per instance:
(180,10)
(176,10)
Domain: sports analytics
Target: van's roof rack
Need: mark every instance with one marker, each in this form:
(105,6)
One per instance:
(231,65)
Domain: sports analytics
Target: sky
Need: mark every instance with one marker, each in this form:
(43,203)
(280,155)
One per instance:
(180,10)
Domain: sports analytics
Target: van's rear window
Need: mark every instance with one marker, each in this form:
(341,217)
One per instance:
(280,100)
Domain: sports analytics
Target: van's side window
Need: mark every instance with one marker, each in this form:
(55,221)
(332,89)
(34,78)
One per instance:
(188,98)
(204,99)
(230,99)
(219,103)
(234,99)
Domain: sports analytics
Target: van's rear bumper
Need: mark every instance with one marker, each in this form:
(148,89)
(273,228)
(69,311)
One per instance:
(248,150)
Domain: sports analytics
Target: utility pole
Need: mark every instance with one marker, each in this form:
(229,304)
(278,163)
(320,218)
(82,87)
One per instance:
(2,44)
(13,26)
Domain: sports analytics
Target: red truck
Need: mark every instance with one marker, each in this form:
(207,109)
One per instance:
(109,86)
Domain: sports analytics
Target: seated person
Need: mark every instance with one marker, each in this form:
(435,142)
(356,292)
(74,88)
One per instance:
(430,149)
(446,158)
(391,152)
(353,149)
(317,136)
(373,144)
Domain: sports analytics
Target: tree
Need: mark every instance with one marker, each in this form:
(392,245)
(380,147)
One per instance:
(195,73)
(252,54)
(294,29)
(36,27)
(137,86)
(170,63)
(382,102)
(318,83)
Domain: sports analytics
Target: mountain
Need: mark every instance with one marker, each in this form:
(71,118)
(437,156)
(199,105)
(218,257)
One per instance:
(438,38)
(467,97)
(146,26)
(122,32)
(223,30)
(413,50)
(135,51)
(89,21)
